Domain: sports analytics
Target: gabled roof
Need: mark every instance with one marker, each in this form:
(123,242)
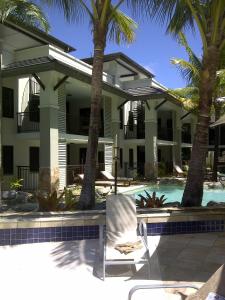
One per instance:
(122,57)
(38,35)
(48,63)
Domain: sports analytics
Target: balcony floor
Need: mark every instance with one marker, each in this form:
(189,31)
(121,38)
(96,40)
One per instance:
(65,270)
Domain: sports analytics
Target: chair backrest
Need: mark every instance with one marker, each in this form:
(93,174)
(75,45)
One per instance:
(107,175)
(121,219)
(178,169)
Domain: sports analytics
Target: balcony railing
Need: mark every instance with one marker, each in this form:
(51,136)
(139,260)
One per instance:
(165,134)
(134,131)
(71,127)
(30,178)
(28,121)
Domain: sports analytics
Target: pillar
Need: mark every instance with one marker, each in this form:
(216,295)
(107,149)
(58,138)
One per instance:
(151,159)
(49,167)
(177,127)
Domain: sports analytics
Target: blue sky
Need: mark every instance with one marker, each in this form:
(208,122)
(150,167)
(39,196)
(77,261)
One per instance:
(152,48)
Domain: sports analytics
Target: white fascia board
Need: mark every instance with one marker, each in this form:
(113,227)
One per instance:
(74,62)
(81,139)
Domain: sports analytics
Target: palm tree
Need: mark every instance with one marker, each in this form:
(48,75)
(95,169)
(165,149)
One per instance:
(208,16)
(107,22)
(19,11)
(189,96)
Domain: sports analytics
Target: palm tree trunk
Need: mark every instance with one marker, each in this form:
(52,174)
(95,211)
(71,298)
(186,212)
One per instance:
(194,187)
(87,197)
(216,145)
(1,171)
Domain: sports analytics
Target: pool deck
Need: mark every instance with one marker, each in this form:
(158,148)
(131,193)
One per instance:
(64,270)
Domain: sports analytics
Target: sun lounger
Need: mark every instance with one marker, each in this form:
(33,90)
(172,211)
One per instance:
(97,182)
(121,243)
(179,172)
(121,180)
(213,289)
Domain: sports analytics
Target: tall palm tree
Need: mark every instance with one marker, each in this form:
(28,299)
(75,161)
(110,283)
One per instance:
(107,22)
(208,16)
(21,11)
(189,96)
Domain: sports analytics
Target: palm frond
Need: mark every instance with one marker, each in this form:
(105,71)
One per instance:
(188,70)
(74,10)
(121,27)
(24,11)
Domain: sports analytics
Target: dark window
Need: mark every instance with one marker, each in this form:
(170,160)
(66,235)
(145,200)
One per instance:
(83,152)
(101,158)
(85,120)
(68,154)
(159,155)
(169,123)
(34,111)
(121,158)
(131,121)
(159,122)
(121,118)
(131,158)
(7,160)
(7,102)
(34,159)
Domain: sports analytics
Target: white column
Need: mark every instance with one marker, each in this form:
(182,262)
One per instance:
(49,166)
(151,160)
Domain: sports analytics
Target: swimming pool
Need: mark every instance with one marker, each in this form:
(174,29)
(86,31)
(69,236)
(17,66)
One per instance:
(175,192)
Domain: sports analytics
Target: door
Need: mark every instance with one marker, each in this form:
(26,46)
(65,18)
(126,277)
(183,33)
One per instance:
(140,160)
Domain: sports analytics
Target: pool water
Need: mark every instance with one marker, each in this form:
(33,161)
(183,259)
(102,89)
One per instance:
(174,193)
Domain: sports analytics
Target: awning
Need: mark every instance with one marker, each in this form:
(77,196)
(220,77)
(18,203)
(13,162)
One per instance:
(220,121)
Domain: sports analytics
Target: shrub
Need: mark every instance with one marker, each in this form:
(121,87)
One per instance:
(150,201)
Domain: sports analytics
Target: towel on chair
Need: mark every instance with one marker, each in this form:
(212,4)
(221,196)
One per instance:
(129,247)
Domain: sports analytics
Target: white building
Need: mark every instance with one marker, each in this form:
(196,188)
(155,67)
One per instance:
(46,108)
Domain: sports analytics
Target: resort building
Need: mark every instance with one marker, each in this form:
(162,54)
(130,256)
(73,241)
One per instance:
(46,109)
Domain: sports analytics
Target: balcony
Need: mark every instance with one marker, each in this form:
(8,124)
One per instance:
(28,121)
(134,131)
(186,137)
(165,134)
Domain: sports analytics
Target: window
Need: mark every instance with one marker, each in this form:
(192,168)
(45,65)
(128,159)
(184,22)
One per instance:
(121,158)
(34,159)
(131,158)
(7,160)
(34,103)
(7,102)
(101,157)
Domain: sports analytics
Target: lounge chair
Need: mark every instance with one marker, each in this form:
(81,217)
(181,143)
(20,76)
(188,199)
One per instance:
(121,180)
(213,289)
(121,244)
(221,178)
(97,182)
(179,172)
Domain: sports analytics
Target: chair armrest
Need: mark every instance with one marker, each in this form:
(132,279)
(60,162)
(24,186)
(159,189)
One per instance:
(142,228)
(159,286)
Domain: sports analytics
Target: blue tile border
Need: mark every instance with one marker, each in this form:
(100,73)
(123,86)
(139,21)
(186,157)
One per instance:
(69,233)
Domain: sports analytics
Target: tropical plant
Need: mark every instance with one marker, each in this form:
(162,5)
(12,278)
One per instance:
(208,16)
(19,11)
(150,201)
(16,184)
(49,201)
(107,22)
